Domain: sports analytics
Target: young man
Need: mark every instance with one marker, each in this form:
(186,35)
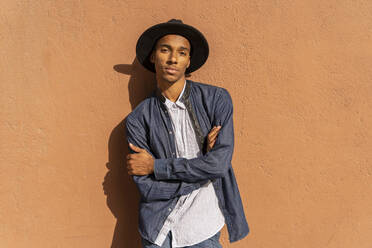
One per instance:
(181,141)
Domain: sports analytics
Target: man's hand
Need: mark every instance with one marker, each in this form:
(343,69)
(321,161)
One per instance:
(212,136)
(140,163)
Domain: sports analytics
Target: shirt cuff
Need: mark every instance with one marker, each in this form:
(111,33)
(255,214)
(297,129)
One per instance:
(160,169)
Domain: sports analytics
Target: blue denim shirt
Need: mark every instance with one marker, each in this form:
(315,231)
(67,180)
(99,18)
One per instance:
(149,127)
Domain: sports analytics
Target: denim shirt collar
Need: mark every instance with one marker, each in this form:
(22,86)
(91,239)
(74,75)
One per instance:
(183,96)
(178,103)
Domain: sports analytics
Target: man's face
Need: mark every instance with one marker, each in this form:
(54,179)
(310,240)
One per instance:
(171,57)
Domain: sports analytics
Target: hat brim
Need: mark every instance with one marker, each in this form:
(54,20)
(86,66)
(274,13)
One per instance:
(147,41)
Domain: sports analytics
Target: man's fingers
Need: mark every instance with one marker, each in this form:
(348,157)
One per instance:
(213,134)
(131,156)
(130,168)
(214,130)
(210,135)
(134,156)
(135,148)
(212,140)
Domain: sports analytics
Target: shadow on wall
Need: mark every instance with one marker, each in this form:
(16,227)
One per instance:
(119,188)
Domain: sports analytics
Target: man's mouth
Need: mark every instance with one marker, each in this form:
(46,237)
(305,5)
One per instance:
(171,70)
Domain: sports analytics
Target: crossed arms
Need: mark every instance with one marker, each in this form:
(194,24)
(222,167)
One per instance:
(142,163)
(161,179)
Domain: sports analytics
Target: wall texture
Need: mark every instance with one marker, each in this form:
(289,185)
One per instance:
(300,75)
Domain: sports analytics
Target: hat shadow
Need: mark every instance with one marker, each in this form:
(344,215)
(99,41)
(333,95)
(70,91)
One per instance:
(122,196)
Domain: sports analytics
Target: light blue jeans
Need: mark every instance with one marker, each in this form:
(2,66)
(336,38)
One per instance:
(212,242)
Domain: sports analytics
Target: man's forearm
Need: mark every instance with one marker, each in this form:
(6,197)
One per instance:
(213,164)
(155,190)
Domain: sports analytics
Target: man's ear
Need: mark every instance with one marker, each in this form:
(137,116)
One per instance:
(152,57)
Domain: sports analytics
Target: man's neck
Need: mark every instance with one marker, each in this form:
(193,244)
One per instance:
(171,90)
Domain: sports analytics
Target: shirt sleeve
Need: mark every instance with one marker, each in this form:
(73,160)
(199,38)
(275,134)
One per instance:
(150,188)
(213,164)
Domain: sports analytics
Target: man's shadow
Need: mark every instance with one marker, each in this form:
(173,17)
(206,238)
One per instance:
(119,188)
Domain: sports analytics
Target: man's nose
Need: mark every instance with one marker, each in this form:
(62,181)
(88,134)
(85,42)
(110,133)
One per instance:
(173,57)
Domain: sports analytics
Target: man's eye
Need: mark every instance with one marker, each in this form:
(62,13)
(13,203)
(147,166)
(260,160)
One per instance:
(163,50)
(183,53)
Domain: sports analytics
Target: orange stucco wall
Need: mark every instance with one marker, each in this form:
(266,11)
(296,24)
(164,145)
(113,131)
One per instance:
(300,75)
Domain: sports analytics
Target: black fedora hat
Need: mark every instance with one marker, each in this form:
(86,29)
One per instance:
(199,45)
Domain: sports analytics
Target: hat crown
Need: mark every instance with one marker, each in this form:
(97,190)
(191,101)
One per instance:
(175,21)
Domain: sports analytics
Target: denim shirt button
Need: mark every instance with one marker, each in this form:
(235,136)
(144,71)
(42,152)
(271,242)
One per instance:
(169,209)
(170,132)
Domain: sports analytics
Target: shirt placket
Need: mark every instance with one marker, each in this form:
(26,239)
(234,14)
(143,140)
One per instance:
(170,131)
(177,207)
